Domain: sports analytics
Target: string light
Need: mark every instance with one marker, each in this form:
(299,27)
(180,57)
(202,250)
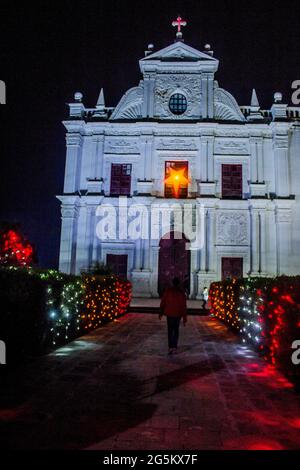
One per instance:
(265,312)
(106,298)
(15,250)
(77,305)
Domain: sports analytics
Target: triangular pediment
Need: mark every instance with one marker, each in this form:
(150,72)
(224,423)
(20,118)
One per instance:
(179,51)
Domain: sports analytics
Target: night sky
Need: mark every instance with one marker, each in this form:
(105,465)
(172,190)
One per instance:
(48,52)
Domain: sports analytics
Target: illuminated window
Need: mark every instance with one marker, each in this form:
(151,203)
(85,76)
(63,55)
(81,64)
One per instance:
(178,104)
(176,180)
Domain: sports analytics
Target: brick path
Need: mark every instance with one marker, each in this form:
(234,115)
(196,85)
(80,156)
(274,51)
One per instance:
(117,389)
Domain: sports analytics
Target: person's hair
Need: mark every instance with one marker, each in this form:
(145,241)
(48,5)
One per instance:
(176,282)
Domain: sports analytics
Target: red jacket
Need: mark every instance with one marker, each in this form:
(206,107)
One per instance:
(173,303)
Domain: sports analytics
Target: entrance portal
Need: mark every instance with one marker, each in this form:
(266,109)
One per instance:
(174,261)
(232,267)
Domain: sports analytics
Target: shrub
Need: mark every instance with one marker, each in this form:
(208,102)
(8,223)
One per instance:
(15,249)
(46,309)
(265,312)
(99,269)
(106,298)
(22,299)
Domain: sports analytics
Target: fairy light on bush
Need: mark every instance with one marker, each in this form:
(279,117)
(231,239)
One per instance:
(75,305)
(106,298)
(267,312)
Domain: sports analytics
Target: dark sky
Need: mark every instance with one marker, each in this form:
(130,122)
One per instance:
(48,51)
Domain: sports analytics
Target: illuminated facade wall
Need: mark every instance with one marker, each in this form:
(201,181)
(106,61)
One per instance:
(178,113)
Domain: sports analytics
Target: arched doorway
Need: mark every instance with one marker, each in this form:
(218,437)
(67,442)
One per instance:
(174,261)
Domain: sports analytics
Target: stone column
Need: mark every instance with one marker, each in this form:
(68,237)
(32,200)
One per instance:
(284,238)
(69,214)
(82,248)
(93,255)
(146,255)
(210,159)
(271,241)
(85,237)
(86,160)
(281,149)
(204,249)
(211,244)
(260,167)
(204,158)
(255,241)
(204,102)
(97,166)
(210,96)
(73,163)
(263,247)
(149,96)
(90,233)
(208,268)
(147,145)
(154,269)
(193,272)
(138,255)
(254,162)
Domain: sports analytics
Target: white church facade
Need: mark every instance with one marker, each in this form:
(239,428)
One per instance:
(179,140)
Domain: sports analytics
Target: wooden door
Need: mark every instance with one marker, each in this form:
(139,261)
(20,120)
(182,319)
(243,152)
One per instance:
(174,261)
(232,267)
(118,264)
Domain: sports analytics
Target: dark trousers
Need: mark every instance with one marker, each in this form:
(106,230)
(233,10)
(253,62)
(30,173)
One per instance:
(173,331)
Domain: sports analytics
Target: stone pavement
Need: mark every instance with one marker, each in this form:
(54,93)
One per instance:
(116,389)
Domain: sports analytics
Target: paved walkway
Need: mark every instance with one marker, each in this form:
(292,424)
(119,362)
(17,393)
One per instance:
(155,303)
(117,389)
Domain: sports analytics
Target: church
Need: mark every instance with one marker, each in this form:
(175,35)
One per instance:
(179,147)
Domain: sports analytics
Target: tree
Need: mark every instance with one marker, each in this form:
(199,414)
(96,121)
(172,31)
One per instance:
(15,249)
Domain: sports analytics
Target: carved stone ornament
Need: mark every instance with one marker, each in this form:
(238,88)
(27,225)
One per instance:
(232,132)
(176,144)
(231,148)
(226,107)
(121,146)
(284,216)
(281,141)
(69,212)
(130,106)
(189,86)
(232,228)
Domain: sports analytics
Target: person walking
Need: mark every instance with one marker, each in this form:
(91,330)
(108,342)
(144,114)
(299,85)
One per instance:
(173,306)
(205,297)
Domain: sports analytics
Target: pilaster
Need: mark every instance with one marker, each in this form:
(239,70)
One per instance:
(281,150)
(73,163)
(69,214)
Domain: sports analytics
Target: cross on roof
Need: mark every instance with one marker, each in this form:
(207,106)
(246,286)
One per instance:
(178,24)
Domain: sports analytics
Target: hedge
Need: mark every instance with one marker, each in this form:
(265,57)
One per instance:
(266,313)
(47,309)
